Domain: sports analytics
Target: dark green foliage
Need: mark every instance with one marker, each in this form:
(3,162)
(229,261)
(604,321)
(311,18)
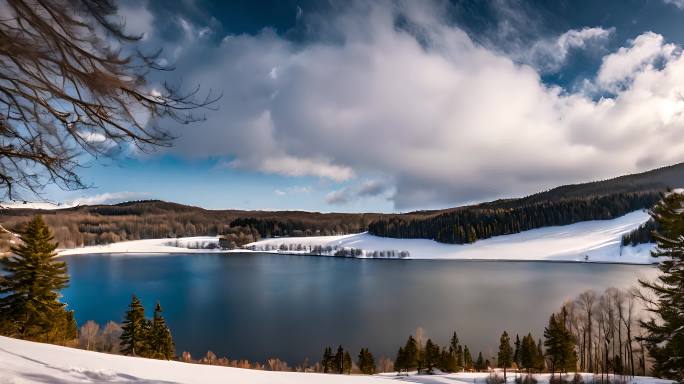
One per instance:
(528,353)
(469,224)
(665,333)
(505,356)
(641,235)
(366,362)
(407,357)
(29,290)
(161,345)
(432,355)
(467,359)
(517,352)
(135,329)
(328,361)
(346,363)
(480,363)
(560,344)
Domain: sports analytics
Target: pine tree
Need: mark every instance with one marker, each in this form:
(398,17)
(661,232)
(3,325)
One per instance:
(366,362)
(456,351)
(346,363)
(559,343)
(539,357)
(400,361)
(665,334)
(528,351)
(479,363)
(505,356)
(338,360)
(160,340)
(517,358)
(135,327)
(467,359)
(327,361)
(29,292)
(432,355)
(411,354)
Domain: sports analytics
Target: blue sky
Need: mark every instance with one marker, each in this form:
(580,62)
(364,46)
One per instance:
(394,106)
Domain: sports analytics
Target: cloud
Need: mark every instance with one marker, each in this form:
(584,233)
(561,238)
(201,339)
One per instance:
(370,188)
(292,190)
(404,94)
(677,3)
(108,198)
(620,68)
(137,18)
(549,55)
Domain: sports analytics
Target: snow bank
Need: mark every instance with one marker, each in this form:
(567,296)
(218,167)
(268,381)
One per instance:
(590,241)
(28,362)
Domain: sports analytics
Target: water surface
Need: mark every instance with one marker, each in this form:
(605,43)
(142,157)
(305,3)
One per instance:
(255,306)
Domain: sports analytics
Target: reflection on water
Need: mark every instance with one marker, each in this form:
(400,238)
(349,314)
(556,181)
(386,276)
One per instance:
(256,306)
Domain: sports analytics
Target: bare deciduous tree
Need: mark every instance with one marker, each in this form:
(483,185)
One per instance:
(88,335)
(71,81)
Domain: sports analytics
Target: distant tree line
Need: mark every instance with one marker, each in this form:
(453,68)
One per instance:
(640,235)
(467,225)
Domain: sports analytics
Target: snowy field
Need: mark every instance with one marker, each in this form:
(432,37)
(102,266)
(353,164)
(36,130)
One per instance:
(28,362)
(588,241)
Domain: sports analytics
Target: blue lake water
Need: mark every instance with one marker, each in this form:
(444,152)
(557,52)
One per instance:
(256,306)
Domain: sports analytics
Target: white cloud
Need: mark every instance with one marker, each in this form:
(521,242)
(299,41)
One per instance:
(620,68)
(292,190)
(137,18)
(677,3)
(107,198)
(446,119)
(370,188)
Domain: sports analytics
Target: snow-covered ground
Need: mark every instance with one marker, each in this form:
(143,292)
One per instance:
(591,241)
(28,362)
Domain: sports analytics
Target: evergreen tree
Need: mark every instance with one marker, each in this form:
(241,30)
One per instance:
(432,355)
(467,359)
(327,361)
(339,360)
(400,361)
(539,357)
(411,354)
(346,363)
(456,360)
(479,363)
(135,327)
(517,358)
(505,356)
(161,345)
(29,290)
(528,351)
(559,343)
(665,333)
(366,362)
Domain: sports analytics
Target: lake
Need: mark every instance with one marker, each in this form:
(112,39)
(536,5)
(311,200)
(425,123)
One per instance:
(255,306)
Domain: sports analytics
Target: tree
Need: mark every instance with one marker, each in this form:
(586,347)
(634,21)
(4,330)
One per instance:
(89,332)
(479,363)
(559,344)
(29,291)
(338,360)
(517,358)
(73,82)
(346,363)
(432,355)
(467,359)
(664,337)
(160,340)
(400,361)
(456,354)
(110,337)
(327,362)
(505,356)
(366,362)
(528,351)
(134,336)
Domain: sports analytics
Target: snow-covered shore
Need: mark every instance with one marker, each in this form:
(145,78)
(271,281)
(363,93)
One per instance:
(589,241)
(29,362)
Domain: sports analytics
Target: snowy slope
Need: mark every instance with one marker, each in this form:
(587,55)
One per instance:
(600,240)
(593,241)
(28,362)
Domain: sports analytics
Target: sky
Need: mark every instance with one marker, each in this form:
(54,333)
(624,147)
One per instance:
(395,106)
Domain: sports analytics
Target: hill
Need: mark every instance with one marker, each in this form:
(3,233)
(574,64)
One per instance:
(598,200)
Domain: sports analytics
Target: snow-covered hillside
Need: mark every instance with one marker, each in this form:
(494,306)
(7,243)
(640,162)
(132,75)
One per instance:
(28,362)
(592,241)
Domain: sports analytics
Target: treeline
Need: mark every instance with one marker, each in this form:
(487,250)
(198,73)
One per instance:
(96,225)
(641,235)
(330,250)
(467,225)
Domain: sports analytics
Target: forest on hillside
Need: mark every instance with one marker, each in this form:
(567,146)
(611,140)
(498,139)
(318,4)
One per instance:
(462,226)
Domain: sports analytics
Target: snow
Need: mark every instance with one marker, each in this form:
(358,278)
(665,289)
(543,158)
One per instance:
(588,241)
(28,362)
(592,241)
